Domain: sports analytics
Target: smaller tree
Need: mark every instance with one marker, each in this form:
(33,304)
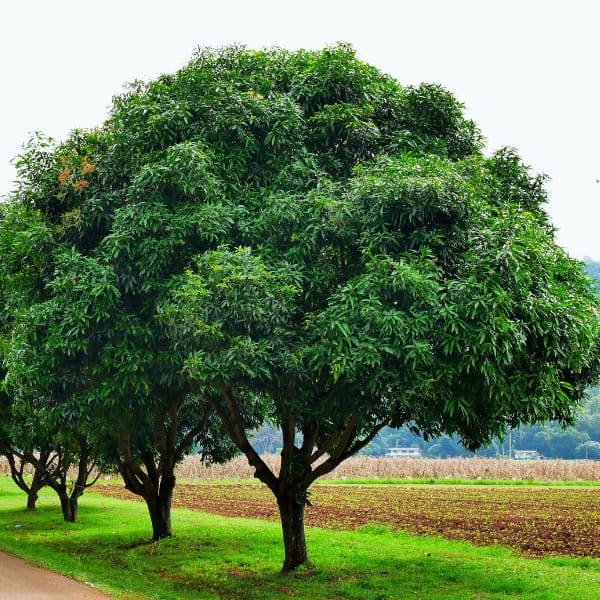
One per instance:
(30,435)
(76,454)
(20,461)
(23,252)
(115,233)
(59,449)
(146,448)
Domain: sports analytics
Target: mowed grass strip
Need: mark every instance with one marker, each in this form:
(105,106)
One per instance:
(534,521)
(218,557)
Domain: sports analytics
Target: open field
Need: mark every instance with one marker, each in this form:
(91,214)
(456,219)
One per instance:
(213,557)
(532,521)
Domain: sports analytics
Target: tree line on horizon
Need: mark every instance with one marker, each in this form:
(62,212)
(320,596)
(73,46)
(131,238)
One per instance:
(550,440)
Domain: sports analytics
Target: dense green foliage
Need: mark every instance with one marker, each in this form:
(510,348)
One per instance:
(292,238)
(581,440)
(397,277)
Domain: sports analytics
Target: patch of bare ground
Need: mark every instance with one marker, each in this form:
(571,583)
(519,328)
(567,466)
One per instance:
(534,521)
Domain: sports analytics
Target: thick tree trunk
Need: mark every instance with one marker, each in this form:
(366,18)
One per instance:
(159,508)
(296,472)
(156,490)
(292,525)
(69,503)
(69,506)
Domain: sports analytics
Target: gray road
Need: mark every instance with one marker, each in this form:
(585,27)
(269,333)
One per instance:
(20,581)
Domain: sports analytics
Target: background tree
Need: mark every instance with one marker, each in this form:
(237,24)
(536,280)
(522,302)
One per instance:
(61,453)
(555,441)
(32,430)
(90,343)
(19,458)
(22,251)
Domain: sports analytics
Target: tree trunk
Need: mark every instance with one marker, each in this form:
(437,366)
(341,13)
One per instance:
(155,488)
(32,498)
(69,506)
(292,525)
(37,483)
(17,472)
(159,507)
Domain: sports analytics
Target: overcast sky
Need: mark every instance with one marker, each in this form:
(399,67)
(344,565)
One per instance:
(526,70)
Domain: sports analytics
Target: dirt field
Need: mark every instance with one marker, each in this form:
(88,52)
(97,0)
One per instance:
(533,521)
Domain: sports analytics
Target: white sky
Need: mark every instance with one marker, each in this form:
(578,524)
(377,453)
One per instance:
(527,70)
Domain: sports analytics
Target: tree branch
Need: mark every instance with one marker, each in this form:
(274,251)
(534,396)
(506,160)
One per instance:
(191,435)
(233,424)
(342,451)
(288,429)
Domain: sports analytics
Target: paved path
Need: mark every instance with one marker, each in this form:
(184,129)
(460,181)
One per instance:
(21,581)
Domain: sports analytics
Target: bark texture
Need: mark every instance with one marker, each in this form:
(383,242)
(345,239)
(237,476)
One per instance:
(291,512)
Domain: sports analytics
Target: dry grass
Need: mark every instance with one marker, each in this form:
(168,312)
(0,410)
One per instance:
(382,468)
(193,468)
(5,470)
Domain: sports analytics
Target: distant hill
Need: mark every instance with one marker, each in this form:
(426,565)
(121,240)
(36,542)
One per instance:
(593,270)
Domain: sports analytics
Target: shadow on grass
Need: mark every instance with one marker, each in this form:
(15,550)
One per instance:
(217,557)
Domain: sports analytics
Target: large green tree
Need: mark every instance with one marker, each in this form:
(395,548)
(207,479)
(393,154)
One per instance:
(388,274)
(295,237)
(88,348)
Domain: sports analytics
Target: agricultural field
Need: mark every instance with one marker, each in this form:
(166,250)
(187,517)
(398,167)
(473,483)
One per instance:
(534,521)
(369,467)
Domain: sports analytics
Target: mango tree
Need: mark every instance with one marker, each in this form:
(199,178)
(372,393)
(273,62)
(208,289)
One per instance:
(387,274)
(295,237)
(89,348)
(22,248)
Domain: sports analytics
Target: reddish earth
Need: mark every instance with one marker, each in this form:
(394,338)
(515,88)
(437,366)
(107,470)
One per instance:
(534,521)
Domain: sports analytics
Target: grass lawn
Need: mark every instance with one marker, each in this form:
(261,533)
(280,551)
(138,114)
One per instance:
(217,557)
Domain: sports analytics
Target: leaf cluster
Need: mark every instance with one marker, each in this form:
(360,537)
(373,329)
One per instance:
(301,230)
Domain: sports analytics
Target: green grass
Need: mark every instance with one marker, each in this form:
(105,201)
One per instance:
(455,481)
(216,557)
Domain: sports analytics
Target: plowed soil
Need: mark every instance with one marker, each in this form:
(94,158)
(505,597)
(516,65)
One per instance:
(534,521)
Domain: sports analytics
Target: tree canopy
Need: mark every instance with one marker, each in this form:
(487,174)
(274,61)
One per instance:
(294,237)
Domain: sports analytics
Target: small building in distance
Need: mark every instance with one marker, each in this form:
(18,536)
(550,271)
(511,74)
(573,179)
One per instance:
(526,455)
(404,453)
